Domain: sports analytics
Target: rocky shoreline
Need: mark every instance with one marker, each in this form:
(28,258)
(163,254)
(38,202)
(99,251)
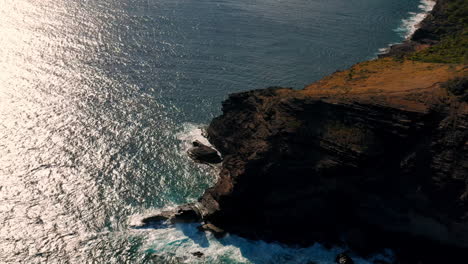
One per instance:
(428,33)
(370,170)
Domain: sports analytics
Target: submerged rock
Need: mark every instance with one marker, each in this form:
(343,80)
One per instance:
(204,154)
(216,231)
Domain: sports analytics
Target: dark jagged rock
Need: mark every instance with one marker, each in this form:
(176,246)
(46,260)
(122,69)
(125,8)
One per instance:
(198,254)
(331,166)
(183,214)
(186,214)
(164,216)
(203,154)
(343,258)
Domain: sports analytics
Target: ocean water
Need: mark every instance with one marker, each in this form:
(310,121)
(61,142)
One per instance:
(99,99)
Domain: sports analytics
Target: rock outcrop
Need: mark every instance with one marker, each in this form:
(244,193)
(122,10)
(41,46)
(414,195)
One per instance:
(377,153)
(183,214)
(369,157)
(300,169)
(204,154)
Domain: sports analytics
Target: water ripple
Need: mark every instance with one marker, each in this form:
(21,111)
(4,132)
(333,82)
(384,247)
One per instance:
(98,101)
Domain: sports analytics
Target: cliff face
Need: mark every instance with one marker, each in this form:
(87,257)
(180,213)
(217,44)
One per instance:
(377,154)
(301,169)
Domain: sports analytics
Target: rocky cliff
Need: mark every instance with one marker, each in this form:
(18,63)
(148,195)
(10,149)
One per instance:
(299,169)
(375,157)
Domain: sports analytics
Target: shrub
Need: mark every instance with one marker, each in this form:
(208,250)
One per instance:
(458,87)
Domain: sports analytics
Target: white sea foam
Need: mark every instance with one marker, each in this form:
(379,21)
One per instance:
(386,49)
(175,244)
(191,132)
(410,24)
(180,241)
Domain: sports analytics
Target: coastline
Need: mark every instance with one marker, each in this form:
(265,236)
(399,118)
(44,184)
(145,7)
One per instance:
(379,150)
(412,23)
(408,26)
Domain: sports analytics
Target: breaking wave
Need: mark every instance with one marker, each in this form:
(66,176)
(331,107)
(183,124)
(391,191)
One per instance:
(409,25)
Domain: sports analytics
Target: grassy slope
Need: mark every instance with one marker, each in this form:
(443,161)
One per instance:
(414,81)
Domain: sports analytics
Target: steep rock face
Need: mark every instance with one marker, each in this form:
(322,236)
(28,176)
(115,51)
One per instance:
(299,169)
(376,155)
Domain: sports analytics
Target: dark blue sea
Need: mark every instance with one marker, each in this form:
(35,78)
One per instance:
(99,99)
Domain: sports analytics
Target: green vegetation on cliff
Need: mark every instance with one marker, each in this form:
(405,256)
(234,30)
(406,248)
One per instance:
(449,25)
(452,49)
(458,13)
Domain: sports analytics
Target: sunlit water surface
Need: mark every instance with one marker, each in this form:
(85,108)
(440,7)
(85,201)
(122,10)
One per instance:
(99,100)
